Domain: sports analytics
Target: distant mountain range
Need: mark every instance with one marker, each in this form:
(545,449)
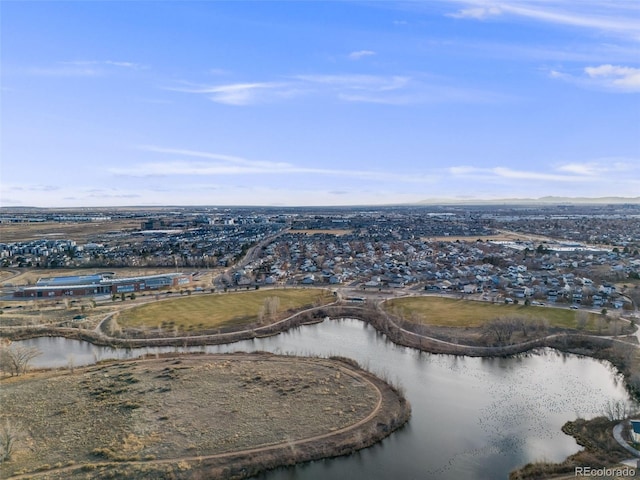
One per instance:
(533,201)
(549,200)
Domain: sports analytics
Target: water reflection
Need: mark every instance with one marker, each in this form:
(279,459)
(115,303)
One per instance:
(473,418)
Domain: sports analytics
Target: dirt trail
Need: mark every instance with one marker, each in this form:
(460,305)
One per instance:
(251,451)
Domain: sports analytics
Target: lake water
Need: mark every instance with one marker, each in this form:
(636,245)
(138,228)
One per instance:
(473,418)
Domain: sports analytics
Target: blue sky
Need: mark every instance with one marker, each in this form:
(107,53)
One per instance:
(317,103)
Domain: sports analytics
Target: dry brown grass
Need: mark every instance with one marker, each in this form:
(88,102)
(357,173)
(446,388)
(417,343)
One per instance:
(326,231)
(178,407)
(78,231)
(448,312)
(502,236)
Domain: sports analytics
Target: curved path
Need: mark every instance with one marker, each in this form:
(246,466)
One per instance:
(280,325)
(617,434)
(252,451)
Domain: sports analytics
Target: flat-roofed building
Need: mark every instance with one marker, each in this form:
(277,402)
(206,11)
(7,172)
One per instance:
(100,284)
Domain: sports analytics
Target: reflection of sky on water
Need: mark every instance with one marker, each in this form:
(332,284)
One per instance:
(473,418)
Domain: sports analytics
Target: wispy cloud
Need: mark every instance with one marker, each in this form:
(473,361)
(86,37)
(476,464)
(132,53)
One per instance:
(615,17)
(501,173)
(111,63)
(242,93)
(223,165)
(83,68)
(601,167)
(64,71)
(479,13)
(29,188)
(380,89)
(361,54)
(573,172)
(614,78)
(358,82)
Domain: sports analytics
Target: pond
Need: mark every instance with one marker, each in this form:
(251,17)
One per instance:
(473,418)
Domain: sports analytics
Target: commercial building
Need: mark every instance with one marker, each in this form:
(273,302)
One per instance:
(101,284)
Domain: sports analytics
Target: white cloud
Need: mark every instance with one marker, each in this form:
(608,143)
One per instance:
(463,170)
(527,175)
(601,167)
(613,17)
(358,82)
(600,177)
(380,89)
(221,164)
(242,94)
(479,13)
(361,54)
(505,173)
(614,78)
(113,63)
(83,68)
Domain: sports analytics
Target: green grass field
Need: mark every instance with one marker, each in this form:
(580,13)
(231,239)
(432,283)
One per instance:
(447,312)
(218,310)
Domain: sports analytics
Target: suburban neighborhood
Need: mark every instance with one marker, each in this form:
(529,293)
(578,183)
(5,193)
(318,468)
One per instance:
(573,256)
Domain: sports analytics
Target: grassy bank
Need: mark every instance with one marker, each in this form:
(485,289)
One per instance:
(222,310)
(448,312)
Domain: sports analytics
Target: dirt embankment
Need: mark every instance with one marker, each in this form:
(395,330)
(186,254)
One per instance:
(194,416)
(445,340)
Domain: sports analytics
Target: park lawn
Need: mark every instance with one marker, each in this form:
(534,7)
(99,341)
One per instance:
(448,312)
(219,310)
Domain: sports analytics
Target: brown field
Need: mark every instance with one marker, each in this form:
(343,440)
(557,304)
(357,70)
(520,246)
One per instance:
(503,236)
(30,276)
(448,312)
(164,411)
(328,231)
(81,232)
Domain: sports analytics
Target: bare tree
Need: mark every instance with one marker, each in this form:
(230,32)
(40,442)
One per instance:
(500,330)
(618,410)
(9,435)
(112,327)
(16,359)
(582,318)
(271,305)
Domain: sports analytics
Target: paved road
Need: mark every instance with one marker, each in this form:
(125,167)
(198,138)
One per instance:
(617,434)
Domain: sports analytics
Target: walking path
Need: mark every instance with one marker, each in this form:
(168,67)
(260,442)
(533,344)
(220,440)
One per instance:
(617,434)
(252,451)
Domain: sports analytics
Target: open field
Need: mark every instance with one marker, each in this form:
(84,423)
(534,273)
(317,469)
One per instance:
(78,231)
(447,312)
(502,236)
(166,411)
(327,231)
(217,310)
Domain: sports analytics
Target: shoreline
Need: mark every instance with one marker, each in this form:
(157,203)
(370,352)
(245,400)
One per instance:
(390,413)
(398,332)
